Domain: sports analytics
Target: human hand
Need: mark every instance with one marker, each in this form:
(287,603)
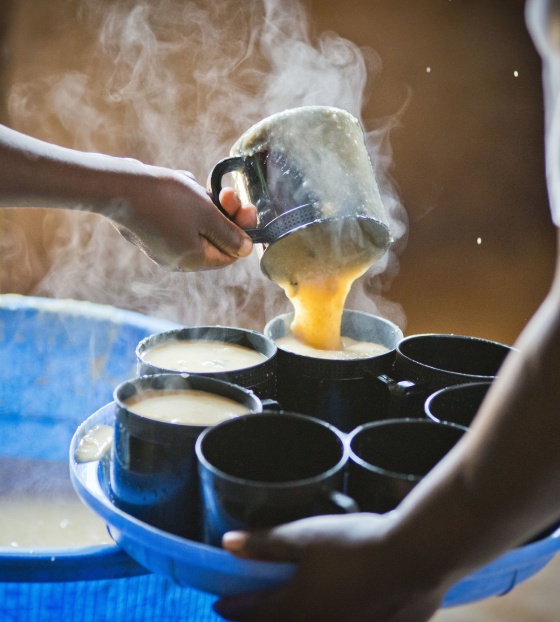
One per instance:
(351,568)
(244,216)
(162,211)
(173,221)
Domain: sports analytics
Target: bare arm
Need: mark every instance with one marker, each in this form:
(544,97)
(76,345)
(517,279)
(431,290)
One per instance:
(498,487)
(163,211)
(503,480)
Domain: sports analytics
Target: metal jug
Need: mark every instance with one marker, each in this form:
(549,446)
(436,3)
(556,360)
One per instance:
(308,173)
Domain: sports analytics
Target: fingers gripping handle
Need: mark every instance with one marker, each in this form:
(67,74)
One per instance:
(223,167)
(214,187)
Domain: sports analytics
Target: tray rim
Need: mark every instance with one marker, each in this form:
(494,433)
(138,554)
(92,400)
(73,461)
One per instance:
(129,532)
(247,575)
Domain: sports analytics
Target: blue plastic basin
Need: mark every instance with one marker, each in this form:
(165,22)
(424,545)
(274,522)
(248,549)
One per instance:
(59,362)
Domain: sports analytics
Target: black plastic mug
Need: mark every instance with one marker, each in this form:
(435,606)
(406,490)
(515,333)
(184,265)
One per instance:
(388,458)
(153,468)
(457,404)
(263,470)
(260,377)
(423,364)
(345,393)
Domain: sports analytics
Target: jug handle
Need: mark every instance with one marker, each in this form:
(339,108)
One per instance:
(214,187)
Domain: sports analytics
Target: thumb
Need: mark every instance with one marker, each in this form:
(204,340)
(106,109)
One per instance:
(263,544)
(225,235)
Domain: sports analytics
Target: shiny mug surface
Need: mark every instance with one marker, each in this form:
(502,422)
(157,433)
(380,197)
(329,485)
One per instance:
(308,173)
(259,377)
(267,469)
(428,362)
(153,469)
(458,403)
(388,458)
(345,393)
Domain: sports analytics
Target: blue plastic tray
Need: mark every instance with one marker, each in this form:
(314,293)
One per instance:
(185,562)
(214,570)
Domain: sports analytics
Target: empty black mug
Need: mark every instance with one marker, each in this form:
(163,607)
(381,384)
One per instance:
(263,470)
(458,403)
(423,364)
(388,458)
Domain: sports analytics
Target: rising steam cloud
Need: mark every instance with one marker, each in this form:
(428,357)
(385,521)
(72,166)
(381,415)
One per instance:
(175,83)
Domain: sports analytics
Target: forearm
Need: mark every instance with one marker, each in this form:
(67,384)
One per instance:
(163,211)
(501,484)
(35,173)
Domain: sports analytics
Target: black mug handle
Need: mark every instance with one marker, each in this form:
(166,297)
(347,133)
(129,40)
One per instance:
(214,187)
(398,391)
(269,404)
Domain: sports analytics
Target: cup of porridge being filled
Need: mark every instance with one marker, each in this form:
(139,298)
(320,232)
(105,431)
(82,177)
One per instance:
(340,386)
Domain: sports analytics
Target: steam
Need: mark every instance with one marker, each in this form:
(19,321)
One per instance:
(174,84)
